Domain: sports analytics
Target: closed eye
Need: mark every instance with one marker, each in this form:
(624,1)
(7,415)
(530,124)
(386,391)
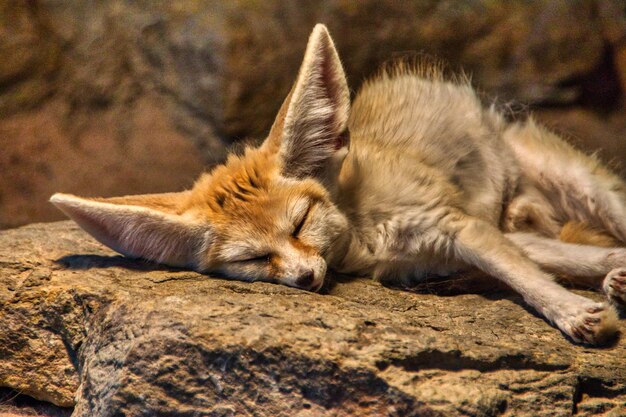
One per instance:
(300,225)
(257,259)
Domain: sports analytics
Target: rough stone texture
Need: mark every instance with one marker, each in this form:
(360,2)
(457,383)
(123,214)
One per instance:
(30,57)
(228,65)
(14,404)
(83,326)
(47,157)
(178,81)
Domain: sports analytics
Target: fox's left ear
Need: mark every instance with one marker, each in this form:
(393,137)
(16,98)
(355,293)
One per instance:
(312,124)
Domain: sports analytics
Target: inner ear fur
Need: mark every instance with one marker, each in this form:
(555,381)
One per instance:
(313,119)
(148,226)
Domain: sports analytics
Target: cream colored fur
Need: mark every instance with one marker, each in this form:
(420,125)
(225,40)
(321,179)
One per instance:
(415,178)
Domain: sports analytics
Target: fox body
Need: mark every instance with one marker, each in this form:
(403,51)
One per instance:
(414,178)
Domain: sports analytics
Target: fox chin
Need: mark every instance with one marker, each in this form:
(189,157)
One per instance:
(415,177)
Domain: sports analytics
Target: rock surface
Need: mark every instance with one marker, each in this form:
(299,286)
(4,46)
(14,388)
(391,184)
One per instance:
(14,404)
(84,327)
(120,96)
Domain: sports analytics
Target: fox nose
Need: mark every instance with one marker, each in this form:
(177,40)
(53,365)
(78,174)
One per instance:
(305,280)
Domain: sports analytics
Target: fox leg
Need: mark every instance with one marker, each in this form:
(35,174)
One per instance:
(580,264)
(569,259)
(481,244)
(578,186)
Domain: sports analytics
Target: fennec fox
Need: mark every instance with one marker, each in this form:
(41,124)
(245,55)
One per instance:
(414,178)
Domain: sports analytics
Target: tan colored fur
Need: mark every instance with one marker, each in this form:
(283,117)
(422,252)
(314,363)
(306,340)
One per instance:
(583,234)
(415,178)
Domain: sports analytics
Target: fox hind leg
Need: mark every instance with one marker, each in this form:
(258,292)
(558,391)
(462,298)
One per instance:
(578,186)
(580,264)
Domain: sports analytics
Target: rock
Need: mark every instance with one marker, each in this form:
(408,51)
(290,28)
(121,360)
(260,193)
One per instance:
(83,326)
(14,404)
(30,56)
(226,67)
(101,156)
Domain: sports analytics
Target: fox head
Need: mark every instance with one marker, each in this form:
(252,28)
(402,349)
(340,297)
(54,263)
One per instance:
(264,215)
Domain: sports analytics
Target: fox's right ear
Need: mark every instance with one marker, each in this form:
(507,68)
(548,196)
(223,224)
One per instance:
(312,123)
(140,226)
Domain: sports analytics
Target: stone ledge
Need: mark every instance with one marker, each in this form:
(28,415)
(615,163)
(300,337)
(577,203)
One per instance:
(85,327)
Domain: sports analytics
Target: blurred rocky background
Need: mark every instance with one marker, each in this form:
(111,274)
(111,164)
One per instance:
(128,96)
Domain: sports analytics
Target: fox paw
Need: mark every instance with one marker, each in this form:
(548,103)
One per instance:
(590,323)
(614,286)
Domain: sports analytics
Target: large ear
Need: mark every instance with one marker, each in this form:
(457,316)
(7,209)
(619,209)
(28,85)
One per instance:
(140,226)
(312,124)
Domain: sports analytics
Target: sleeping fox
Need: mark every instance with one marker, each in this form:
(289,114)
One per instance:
(412,179)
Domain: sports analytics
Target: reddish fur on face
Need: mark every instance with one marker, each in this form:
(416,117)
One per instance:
(302,247)
(241,180)
(245,199)
(276,266)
